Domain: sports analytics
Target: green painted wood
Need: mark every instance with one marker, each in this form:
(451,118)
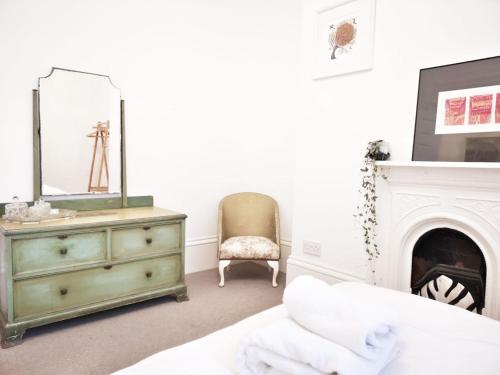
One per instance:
(3,286)
(95,204)
(37,165)
(58,271)
(183,249)
(45,253)
(69,228)
(9,279)
(123,156)
(102,203)
(13,331)
(108,244)
(145,240)
(35,297)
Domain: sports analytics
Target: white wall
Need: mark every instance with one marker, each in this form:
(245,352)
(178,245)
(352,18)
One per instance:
(210,90)
(409,35)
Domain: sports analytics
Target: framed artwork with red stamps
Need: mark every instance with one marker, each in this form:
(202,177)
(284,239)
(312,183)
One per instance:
(497,109)
(468,111)
(458,112)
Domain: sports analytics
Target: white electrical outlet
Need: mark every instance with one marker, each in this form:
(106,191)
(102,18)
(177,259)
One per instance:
(311,248)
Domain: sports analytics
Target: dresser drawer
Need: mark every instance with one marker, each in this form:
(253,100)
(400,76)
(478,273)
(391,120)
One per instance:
(46,253)
(43,295)
(145,240)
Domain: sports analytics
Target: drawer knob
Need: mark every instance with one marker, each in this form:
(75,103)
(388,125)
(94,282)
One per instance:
(108,267)
(149,241)
(149,274)
(146,228)
(62,236)
(63,251)
(64,291)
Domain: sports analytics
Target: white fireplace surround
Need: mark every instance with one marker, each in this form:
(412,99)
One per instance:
(418,197)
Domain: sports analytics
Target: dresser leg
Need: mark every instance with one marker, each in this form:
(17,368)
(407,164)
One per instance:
(183,297)
(12,337)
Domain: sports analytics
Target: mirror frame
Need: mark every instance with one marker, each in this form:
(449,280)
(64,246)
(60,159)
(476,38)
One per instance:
(37,157)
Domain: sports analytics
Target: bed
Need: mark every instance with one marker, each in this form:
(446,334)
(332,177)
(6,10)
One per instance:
(435,339)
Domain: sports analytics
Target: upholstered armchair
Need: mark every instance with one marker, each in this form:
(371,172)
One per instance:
(249,229)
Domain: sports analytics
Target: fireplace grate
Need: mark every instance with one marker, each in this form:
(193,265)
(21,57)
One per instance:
(453,285)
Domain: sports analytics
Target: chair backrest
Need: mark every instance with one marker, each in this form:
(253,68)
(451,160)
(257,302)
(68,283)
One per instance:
(248,214)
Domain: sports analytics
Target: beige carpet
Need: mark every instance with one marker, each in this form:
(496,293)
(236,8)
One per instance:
(105,342)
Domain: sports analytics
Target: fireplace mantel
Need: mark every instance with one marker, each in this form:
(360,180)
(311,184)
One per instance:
(420,196)
(437,164)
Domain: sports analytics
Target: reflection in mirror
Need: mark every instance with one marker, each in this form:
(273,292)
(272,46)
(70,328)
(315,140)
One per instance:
(80,135)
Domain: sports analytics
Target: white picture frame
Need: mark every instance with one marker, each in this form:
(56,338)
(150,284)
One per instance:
(343,37)
(449,121)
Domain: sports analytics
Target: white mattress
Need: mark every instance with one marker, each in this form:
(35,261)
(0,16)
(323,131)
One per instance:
(435,338)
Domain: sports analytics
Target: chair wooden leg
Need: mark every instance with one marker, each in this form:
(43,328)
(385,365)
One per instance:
(222,264)
(275,265)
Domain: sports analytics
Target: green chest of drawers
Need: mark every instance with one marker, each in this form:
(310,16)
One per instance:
(99,260)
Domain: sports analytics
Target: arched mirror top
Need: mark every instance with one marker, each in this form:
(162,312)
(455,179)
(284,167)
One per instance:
(79,148)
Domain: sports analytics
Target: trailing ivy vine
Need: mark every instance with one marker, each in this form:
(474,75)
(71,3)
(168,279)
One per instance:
(366,214)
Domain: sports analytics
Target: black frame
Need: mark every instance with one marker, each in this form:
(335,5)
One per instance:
(419,97)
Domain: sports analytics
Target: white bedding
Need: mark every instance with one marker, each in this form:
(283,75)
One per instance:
(436,339)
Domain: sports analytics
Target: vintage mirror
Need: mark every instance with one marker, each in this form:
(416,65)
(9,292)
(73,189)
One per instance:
(79,137)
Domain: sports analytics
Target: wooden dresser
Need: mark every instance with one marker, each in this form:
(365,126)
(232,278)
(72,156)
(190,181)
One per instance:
(58,270)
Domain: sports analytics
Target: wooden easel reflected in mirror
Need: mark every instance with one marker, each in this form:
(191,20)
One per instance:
(101,135)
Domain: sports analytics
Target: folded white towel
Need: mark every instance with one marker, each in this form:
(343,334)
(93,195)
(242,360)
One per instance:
(284,347)
(368,330)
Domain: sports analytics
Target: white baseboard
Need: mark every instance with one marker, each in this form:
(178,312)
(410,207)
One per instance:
(201,254)
(201,241)
(297,266)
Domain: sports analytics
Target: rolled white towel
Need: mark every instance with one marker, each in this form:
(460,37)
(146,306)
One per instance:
(284,347)
(368,330)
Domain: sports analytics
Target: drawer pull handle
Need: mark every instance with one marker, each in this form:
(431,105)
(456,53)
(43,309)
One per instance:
(149,274)
(64,291)
(63,251)
(146,228)
(108,267)
(62,236)
(149,241)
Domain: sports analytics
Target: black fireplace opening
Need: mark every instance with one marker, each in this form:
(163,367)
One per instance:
(445,254)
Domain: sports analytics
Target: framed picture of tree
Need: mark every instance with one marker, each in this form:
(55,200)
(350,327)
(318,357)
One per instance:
(342,37)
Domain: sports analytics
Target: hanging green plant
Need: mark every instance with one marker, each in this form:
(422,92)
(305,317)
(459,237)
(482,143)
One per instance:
(366,214)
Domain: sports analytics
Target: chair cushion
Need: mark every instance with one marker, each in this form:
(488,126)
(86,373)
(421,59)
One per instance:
(249,247)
